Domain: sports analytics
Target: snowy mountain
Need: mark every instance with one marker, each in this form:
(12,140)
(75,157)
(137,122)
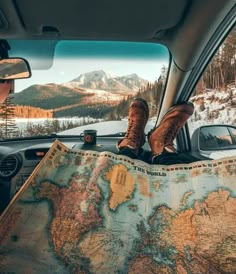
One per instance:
(93,76)
(132,81)
(94,92)
(101,80)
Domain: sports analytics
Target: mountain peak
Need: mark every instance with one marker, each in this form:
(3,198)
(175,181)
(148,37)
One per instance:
(133,75)
(92,76)
(102,80)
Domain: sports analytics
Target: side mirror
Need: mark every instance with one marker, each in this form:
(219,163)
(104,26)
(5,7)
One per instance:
(214,138)
(14,68)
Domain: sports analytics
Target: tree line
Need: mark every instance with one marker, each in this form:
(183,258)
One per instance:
(221,71)
(31,112)
(10,129)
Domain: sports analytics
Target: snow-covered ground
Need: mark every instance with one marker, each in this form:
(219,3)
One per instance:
(108,127)
(213,107)
(23,122)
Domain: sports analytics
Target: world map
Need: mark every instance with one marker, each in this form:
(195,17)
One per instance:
(89,212)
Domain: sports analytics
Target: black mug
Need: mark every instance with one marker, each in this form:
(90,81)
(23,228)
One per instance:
(89,136)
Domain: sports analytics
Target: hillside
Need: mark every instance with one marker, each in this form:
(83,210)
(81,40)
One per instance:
(48,96)
(95,90)
(214,107)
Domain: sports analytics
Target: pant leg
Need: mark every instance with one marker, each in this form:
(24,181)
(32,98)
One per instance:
(167,158)
(128,152)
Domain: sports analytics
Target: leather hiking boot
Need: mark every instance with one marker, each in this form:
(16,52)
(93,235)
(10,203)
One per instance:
(161,138)
(137,120)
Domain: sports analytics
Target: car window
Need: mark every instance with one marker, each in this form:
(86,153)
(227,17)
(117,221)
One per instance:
(214,97)
(212,126)
(79,83)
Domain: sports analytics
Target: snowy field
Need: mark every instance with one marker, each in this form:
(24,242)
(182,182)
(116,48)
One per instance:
(23,122)
(108,127)
(213,107)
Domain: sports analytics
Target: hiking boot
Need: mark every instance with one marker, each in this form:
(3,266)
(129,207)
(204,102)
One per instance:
(161,138)
(138,116)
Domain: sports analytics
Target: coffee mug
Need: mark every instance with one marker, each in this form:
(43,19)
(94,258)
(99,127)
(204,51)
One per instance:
(89,136)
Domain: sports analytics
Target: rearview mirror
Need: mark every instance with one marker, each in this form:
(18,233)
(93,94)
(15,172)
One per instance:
(214,138)
(14,68)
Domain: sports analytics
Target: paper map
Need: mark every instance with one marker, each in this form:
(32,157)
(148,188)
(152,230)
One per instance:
(89,212)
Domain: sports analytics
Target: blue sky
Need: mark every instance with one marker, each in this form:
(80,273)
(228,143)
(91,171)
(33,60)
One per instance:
(69,59)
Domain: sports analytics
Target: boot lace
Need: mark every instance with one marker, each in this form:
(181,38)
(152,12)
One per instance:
(170,135)
(134,132)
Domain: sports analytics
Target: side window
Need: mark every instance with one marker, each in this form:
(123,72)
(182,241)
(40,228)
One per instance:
(215,95)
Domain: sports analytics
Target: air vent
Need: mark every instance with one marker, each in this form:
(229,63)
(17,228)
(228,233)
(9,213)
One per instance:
(9,166)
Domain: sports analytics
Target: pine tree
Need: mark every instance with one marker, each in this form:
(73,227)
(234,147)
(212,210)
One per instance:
(47,127)
(29,131)
(221,71)
(56,126)
(8,125)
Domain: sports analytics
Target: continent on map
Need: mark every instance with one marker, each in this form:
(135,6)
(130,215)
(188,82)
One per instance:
(105,251)
(201,239)
(144,185)
(145,264)
(121,185)
(74,211)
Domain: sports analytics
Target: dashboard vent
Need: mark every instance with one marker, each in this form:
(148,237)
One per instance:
(8,166)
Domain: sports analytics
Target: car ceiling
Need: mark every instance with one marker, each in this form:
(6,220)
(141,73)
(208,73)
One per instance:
(104,19)
(184,26)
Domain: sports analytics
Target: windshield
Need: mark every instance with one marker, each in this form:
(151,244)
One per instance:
(82,84)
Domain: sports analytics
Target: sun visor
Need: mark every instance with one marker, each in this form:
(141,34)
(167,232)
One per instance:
(38,53)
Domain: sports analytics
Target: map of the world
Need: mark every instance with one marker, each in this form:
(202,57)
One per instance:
(89,212)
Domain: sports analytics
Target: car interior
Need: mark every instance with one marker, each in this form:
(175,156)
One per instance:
(190,31)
